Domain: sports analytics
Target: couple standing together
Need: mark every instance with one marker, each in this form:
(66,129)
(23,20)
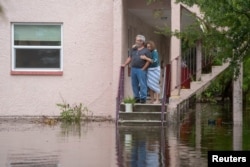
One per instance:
(145,70)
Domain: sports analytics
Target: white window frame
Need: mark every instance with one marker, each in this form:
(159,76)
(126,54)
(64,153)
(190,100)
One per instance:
(13,55)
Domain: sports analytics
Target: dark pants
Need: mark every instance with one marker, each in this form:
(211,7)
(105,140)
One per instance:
(139,83)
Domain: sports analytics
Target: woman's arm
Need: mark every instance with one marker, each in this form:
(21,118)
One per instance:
(144,57)
(154,57)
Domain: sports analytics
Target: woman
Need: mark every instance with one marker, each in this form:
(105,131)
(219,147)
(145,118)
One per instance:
(153,74)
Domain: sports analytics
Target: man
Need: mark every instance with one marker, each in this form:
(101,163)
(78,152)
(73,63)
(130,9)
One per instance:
(139,69)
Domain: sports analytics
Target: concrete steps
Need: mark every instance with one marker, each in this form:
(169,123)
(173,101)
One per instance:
(198,86)
(143,107)
(156,116)
(143,114)
(141,123)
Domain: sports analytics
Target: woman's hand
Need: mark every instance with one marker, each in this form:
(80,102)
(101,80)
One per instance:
(144,57)
(134,46)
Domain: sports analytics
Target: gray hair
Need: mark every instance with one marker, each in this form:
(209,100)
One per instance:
(142,37)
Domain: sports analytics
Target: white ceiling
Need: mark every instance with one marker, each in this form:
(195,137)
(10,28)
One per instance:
(147,15)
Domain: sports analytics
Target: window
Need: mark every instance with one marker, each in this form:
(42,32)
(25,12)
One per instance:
(36,48)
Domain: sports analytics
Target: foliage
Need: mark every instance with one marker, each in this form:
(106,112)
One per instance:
(217,62)
(246,75)
(129,100)
(225,26)
(72,113)
(151,1)
(218,86)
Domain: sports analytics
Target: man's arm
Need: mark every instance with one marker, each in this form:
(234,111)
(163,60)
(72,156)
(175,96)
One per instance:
(127,62)
(146,65)
(148,55)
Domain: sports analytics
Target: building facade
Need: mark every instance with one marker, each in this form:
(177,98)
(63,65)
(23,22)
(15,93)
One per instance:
(53,51)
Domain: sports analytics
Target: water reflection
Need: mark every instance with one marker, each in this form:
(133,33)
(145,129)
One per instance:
(74,129)
(25,144)
(141,146)
(206,127)
(94,144)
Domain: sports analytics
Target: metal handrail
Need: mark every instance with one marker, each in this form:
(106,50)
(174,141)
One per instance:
(119,98)
(188,58)
(120,93)
(166,90)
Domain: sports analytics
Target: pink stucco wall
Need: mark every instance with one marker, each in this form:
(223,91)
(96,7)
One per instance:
(95,43)
(87,58)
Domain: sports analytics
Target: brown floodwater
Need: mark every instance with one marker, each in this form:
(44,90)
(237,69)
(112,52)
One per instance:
(95,144)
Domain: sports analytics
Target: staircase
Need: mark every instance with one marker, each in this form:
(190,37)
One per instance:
(143,114)
(198,86)
(161,114)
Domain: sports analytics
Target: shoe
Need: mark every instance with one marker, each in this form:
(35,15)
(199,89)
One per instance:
(143,101)
(137,101)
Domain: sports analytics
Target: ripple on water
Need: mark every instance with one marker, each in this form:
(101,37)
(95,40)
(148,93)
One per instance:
(33,158)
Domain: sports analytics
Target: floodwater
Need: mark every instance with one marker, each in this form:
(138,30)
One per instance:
(206,127)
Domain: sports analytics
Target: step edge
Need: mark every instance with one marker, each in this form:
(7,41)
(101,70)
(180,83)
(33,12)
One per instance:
(140,121)
(139,112)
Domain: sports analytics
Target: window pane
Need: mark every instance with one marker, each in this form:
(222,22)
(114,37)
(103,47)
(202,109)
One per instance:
(37,58)
(37,35)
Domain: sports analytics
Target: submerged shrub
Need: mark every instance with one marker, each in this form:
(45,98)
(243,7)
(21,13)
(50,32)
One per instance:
(72,113)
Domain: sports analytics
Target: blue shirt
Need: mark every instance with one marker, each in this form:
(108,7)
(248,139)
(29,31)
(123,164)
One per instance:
(155,59)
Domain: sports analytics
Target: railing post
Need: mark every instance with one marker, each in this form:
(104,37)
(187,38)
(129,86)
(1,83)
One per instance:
(166,90)
(117,110)
(122,82)
(179,82)
(168,79)
(163,100)
(120,93)
(198,61)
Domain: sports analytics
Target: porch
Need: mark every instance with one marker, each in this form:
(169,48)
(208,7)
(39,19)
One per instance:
(184,72)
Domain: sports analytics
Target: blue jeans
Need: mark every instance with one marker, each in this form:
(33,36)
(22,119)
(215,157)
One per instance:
(139,83)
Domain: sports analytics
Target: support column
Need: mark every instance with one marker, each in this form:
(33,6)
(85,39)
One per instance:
(172,141)
(175,47)
(238,98)
(237,137)
(198,60)
(237,111)
(198,132)
(175,61)
(118,53)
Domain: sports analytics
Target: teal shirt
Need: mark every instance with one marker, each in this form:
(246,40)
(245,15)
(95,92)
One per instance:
(155,58)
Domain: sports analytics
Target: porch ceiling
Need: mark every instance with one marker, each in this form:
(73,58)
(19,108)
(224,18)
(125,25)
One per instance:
(147,13)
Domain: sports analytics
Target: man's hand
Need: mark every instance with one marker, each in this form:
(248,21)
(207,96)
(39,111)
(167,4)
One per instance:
(145,66)
(126,62)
